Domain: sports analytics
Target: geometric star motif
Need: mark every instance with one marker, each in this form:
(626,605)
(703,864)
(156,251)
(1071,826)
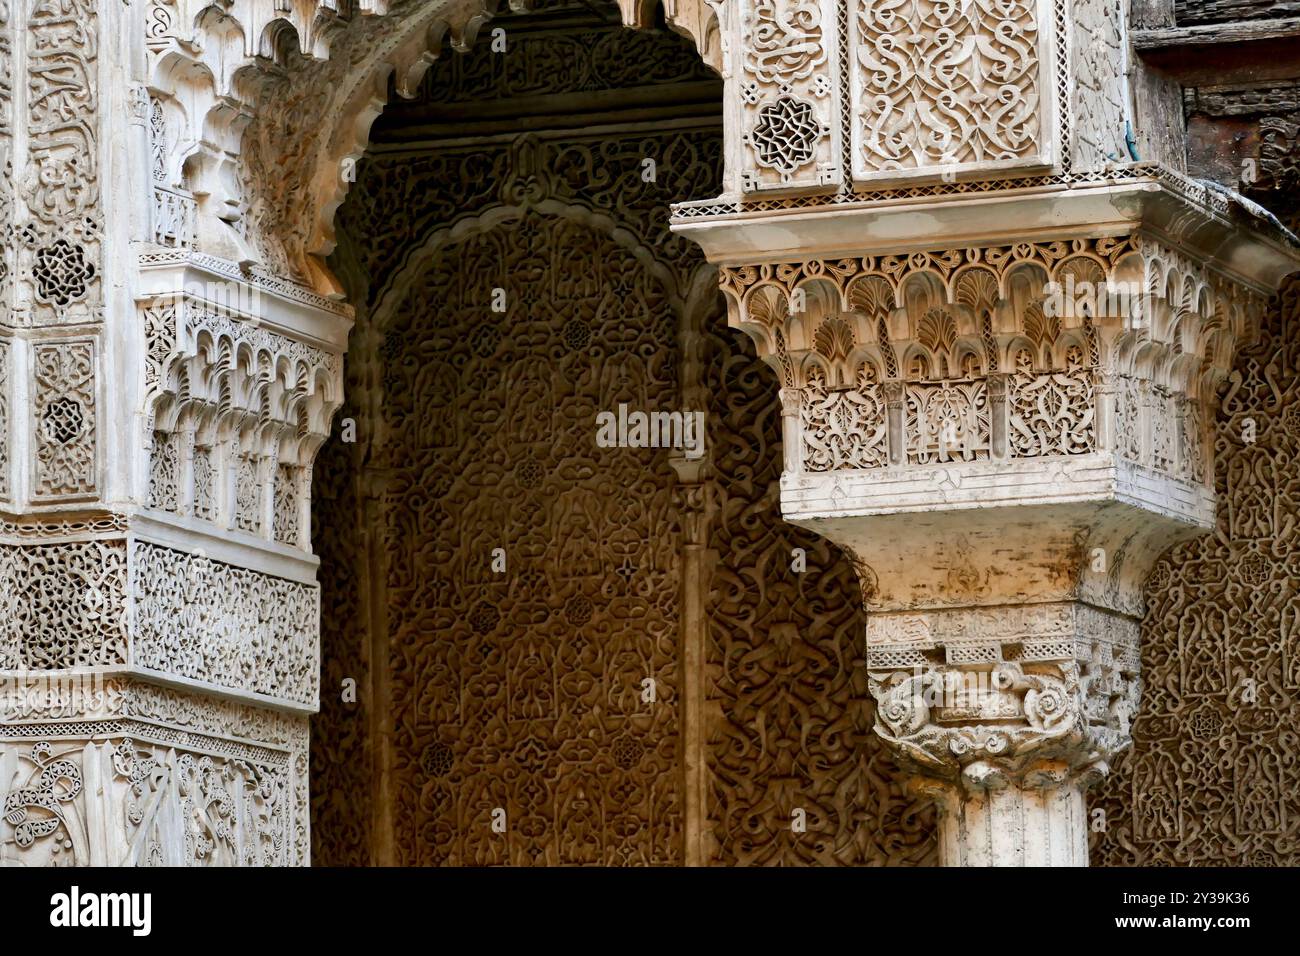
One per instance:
(786,134)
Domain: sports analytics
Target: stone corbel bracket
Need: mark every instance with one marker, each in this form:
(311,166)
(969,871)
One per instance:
(1001,405)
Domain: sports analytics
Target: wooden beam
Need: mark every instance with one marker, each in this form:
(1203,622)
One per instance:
(1216,34)
(1243,52)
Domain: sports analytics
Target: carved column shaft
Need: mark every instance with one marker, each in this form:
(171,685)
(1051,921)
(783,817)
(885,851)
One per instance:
(1012,826)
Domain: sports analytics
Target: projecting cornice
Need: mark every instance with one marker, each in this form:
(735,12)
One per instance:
(1211,224)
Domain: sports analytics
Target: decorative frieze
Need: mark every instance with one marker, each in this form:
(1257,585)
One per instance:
(226,626)
(1029,351)
(64,604)
(147,776)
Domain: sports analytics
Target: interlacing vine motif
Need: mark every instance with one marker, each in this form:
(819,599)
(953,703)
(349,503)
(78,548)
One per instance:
(947,421)
(231,812)
(1213,776)
(941,83)
(561,643)
(843,428)
(205,503)
(285,514)
(225,625)
(61,185)
(1128,417)
(164,468)
(1054,413)
(65,419)
(791,714)
(248,500)
(62,605)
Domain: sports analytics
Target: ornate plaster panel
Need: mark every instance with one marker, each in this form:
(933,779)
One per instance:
(231,627)
(1212,777)
(941,88)
(147,776)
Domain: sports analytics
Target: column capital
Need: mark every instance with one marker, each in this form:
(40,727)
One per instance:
(1049,701)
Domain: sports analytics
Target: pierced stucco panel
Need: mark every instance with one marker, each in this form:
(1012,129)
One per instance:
(147,776)
(62,605)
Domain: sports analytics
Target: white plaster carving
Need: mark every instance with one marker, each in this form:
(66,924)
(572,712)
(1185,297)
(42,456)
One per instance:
(225,626)
(945,88)
(237,410)
(972,448)
(789,91)
(1004,438)
(63,381)
(147,776)
(62,605)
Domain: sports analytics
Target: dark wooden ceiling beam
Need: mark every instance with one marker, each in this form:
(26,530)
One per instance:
(1244,52)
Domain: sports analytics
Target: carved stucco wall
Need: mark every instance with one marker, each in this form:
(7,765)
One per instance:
(790,721)
(407,515)
(521,690)
(1213,776)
